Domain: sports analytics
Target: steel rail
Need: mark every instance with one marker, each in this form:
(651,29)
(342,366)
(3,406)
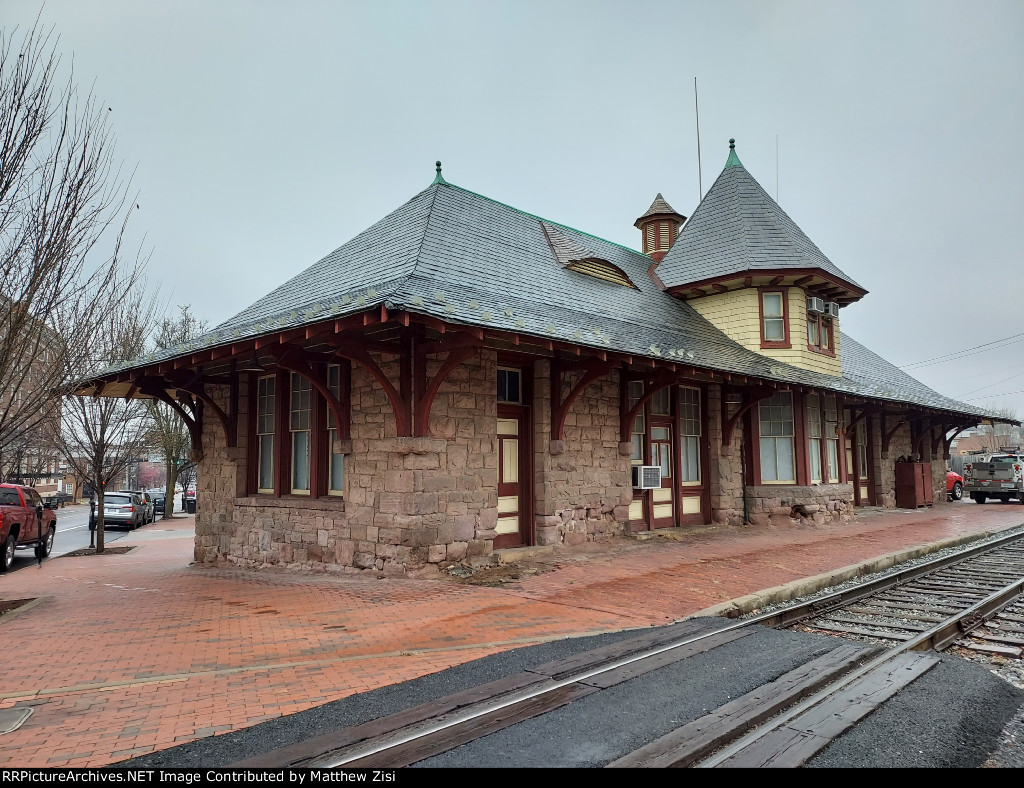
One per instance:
(776,618)
(936,638)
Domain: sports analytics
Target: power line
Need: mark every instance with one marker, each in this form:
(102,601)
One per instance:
(1003,394)
(990,385)
(993,345)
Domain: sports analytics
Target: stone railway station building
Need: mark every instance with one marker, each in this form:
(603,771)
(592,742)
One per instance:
(464,377)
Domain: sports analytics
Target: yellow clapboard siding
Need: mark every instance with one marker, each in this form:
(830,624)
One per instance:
(737,314)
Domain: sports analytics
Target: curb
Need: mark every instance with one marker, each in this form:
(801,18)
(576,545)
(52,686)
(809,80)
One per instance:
(734,608)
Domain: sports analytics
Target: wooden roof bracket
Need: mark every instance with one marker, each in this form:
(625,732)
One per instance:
(887,435)
(947,441)
(592,370)
(750,398)
(154,387)
(457,354)
(399,404)
(863,413)
(661,380)
(229,421)
(294,360)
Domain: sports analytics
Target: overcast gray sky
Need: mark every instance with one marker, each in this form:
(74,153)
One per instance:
(266,134)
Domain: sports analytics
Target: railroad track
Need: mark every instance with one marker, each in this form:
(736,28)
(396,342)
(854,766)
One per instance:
(970,598)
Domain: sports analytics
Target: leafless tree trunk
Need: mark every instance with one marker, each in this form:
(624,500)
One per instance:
(64,206)
(100,436)
(169,432)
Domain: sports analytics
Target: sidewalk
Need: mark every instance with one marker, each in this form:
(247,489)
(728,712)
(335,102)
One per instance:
(126,654)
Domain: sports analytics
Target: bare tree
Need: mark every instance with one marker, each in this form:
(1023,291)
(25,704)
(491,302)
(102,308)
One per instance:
(170,434)
(64,208)
(100,436)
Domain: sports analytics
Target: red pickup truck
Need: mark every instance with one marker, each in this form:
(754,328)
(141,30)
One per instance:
(24,522)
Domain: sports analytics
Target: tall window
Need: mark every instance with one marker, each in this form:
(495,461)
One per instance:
(812,404)
(689,435)
(661,450)
(773,319)
(862,449)
(639,429)
(819,333)
(336,462)
(661,402)
(265,396)
(831,430)
(299,425)
(776,439)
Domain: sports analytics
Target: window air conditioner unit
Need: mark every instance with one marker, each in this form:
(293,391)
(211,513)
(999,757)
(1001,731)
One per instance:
(815,304)
(832,309)
(646,477)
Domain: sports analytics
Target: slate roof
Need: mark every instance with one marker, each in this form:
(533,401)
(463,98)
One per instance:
(464,258)
(658,208)
(738,228)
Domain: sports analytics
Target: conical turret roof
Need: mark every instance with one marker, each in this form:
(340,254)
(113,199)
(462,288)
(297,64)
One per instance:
(739,230)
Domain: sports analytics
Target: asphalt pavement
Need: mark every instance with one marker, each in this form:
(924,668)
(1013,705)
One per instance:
(72,534)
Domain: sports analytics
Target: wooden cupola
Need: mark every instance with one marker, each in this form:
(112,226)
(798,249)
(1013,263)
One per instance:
(659,228)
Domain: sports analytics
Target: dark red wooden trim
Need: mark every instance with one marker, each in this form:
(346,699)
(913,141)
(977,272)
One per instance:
(426,401)
(787,340)
(651,386)
(560,408)
(801,458)
(748,277)
(252,444)
(401,407)
(887,436)
(295,360)
(319,444)
(282,433)
(750,399)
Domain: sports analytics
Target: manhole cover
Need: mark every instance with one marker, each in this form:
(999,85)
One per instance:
(12,719)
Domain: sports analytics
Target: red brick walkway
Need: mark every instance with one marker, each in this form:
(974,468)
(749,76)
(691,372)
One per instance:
(130,653)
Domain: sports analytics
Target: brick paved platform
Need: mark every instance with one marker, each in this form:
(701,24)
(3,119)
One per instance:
(126,654)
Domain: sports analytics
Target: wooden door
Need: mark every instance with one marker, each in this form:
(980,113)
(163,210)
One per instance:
(662,504)
(513,482)
(858,462)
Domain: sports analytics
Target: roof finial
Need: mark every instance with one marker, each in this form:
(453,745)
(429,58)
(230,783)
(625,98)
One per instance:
(732,146)
(437,177)
(733,160)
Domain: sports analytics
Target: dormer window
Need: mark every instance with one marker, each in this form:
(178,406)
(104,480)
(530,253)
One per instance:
(601,269)
(774,319)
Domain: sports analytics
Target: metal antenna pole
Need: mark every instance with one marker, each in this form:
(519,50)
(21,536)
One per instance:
(696,109)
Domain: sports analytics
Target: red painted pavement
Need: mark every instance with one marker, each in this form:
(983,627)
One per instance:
(127,654)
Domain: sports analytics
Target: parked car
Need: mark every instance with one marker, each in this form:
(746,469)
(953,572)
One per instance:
(149,510)
(24,522)
(126,509)
(954,486)
(159,503)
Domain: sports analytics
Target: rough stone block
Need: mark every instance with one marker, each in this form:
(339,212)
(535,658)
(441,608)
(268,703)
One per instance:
(488,519)
(548,536)
(465,527)
(436,553)
(456,551)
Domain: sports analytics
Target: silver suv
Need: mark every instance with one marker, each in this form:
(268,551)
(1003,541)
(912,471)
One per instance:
(125,509)
(149,515)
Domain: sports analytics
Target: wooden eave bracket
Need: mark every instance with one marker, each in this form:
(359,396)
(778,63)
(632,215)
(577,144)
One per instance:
(294,359)
(661,379)
(750,398)
(195,385)
(460,349)
(193,418)
(860,415)
(593,369)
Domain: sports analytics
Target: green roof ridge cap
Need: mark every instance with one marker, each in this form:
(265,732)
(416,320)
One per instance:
(540,218)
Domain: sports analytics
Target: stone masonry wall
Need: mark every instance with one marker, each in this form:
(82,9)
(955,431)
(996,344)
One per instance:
(816,504)
(583,485)
(725,462)
(410,503)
